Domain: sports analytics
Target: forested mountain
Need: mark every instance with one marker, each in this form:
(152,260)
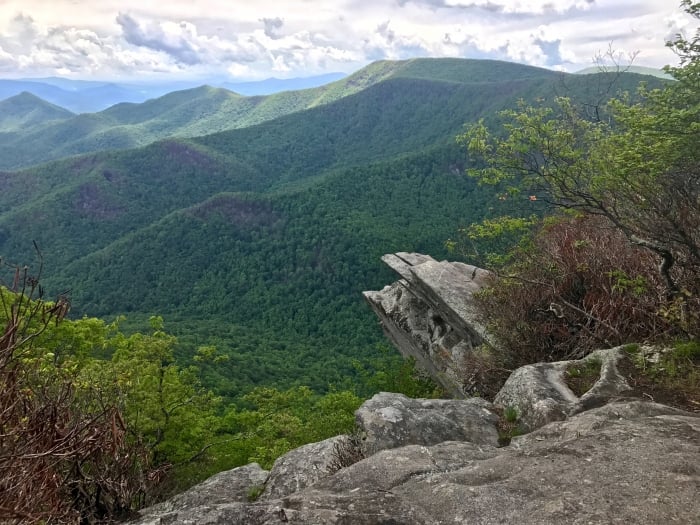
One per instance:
(89,96)
(276,85)
(205,110)
(259,239)
(25,110)
(640,70)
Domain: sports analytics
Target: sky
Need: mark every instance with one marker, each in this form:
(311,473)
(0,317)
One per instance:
(257,39)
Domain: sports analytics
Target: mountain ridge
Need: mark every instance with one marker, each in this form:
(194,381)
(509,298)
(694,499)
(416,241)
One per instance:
(275,228)
(26,110)
(205,110)
(88,96)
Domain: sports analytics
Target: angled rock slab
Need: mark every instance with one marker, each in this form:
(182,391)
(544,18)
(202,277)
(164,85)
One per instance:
(394,420)
(540,395)
(229,488)
(428,315)
(301,467)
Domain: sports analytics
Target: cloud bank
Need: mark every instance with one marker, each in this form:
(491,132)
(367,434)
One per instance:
(215,38)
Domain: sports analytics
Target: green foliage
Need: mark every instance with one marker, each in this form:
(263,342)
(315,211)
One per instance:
(623,283)
(510,413)
(630,164)
(272,422)
(508,426)
(668,374)
(631,348)
(173,414)
(392,373)
(488,243)
(687,350)
(255,491)
(227,271)
(580,377)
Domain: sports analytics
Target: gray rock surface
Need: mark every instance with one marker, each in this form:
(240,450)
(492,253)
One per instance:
(540,395)
(228,489)
(394,420)
(625,462)
(427,315)
(300,468)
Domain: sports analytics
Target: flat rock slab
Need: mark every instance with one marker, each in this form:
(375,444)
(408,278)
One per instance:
(394,420)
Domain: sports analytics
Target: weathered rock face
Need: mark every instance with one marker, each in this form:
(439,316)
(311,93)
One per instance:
(222,491)
(300,468)
(394,420)
(625,462)
(539,394)
(427,315)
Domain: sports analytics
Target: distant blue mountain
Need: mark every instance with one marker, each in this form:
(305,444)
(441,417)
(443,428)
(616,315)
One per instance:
(89,96)
(275,85)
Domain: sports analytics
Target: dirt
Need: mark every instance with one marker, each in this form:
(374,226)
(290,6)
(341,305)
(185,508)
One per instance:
(580,378)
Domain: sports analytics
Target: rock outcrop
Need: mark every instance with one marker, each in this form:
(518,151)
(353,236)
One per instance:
(393,420)
(302,467)
(592,458)
(539,394)
(427,315)
(625,462)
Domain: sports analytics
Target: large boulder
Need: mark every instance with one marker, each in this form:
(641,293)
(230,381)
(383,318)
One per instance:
(302,467)
(393,420)
(428,315)
(539,394)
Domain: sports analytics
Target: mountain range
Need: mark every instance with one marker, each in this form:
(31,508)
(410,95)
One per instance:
(86,96)
(259,238)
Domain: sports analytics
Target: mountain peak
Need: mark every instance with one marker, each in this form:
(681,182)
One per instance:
(26,109)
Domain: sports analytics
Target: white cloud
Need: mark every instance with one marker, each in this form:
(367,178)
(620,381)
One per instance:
(523,6)
(114,38)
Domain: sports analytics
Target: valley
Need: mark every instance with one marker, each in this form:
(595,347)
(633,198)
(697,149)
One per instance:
(259,238)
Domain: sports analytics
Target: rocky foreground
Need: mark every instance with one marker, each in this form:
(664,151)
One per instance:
(598,458)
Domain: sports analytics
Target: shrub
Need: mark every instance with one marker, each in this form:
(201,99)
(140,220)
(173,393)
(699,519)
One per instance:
(65,451)
(577,286)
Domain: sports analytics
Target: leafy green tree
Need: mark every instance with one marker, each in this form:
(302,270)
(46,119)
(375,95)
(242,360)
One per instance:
(65,450)
(174,415)
(277,421)
(636,165)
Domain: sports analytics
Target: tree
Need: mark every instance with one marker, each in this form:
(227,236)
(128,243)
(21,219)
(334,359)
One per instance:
(65,453)
(635,165)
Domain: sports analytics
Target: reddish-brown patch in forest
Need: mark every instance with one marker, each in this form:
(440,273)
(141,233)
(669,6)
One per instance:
(92,202)
(238,211)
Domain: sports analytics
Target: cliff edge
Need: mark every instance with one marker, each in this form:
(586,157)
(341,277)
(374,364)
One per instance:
(591,457)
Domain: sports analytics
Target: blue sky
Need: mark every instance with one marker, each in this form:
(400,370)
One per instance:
(247,40)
